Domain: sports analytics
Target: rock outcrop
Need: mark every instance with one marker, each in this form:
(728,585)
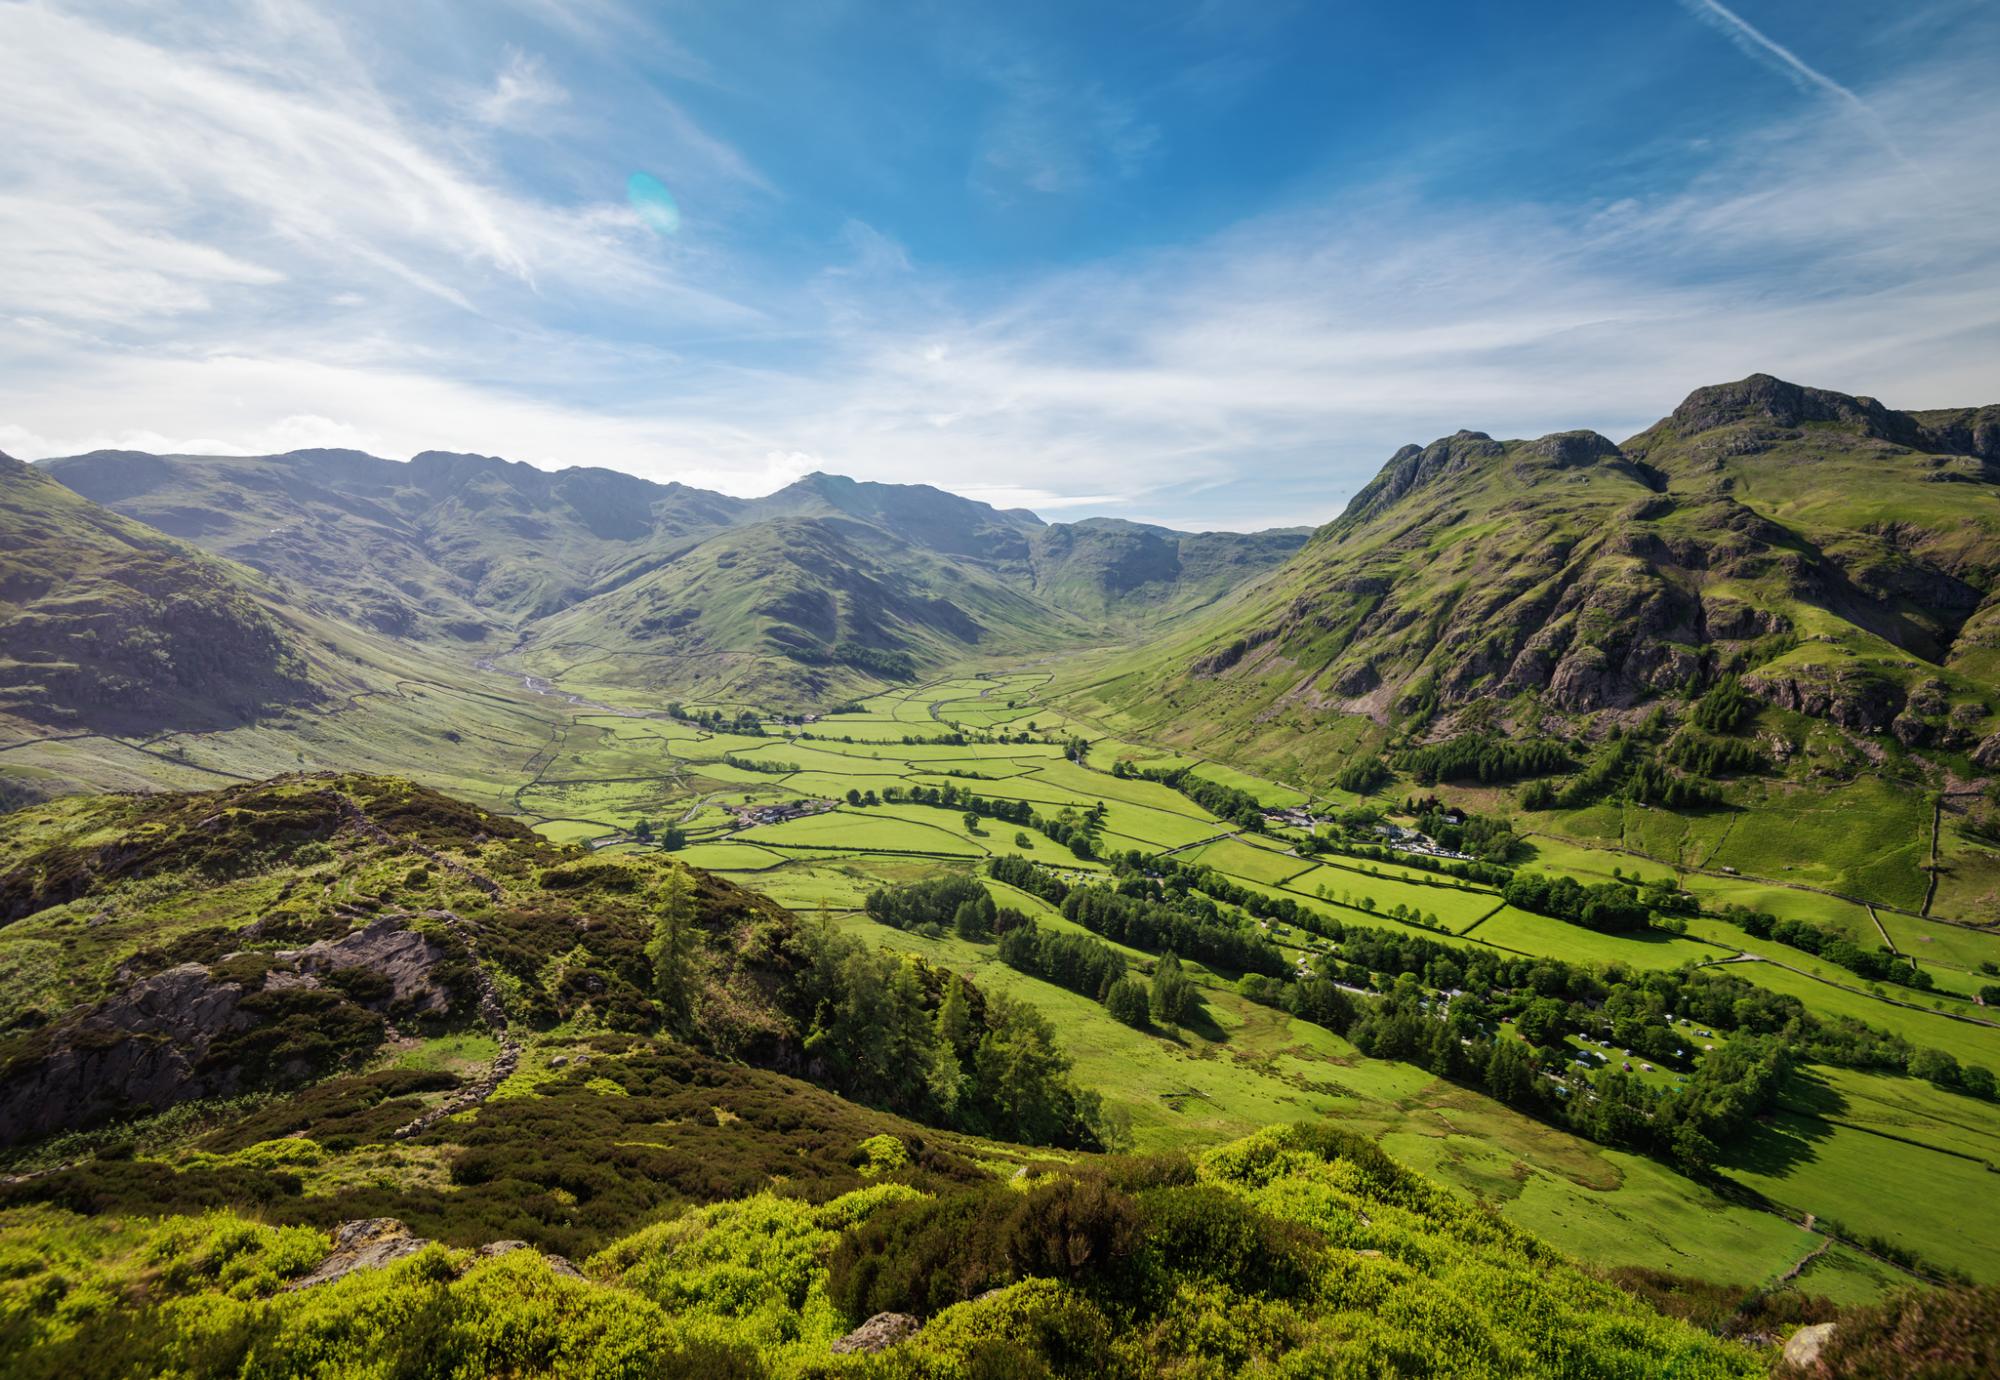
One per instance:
(1803,1349)
(189,1031)
(879,1333)
(372,1242)
(367,1244)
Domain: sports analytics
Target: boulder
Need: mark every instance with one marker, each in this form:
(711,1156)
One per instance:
(367,1244)
(559,1264)
(879,1333)
(1803,1350)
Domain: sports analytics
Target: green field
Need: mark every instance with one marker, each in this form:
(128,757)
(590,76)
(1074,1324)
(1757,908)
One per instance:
(588,774)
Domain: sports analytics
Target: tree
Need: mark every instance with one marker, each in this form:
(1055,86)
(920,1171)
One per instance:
(1021,840)
(957,1026)
(971,822)
(1934,1066)
(671,950)
(1127,1001)
(973,921)
(643,831)
(853,796)
(1544,1022)
(1173,995)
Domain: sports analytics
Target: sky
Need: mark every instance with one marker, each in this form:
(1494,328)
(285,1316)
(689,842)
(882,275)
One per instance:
(1204,263)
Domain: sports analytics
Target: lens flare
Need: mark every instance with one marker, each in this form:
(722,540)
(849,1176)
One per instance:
(654,203)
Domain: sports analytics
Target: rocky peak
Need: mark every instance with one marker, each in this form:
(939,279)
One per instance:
(1776,403)
(1764,398)
(1410,469)
(1569,449)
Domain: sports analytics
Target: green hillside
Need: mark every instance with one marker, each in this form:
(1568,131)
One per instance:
(1825,560)
(826,588)
(1544,922)
(107,624)
(334,1000)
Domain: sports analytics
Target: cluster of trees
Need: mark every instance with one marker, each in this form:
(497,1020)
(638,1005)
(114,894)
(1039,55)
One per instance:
(1478,757)
(956,902)
(1017,871)
(1363,777)
(714,720)
(1076,961)
(891,1031)
(1188,924)
(669,836)
(1610,906)
(769,766)
(1725,708)
(1688,1124)
(1879,964)
(875,661)
(1629,771)
(1703,755)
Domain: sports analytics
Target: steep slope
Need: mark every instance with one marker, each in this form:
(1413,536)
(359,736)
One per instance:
(452,547)
(267,935)
(1837,554)
(391,1081)
(793,612)
(1110,569)
(828,586)
(107,625)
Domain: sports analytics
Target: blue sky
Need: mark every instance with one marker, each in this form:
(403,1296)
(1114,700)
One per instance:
(1205,263)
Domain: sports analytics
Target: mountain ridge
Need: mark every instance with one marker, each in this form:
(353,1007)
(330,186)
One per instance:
(1839,555)
(485,553)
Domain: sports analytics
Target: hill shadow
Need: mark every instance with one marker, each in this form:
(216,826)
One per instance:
(1786,1138)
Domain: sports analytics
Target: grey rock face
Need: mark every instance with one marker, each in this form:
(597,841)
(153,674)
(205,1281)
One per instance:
(879,1333)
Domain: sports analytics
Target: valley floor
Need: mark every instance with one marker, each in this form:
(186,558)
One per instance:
(1890,1159)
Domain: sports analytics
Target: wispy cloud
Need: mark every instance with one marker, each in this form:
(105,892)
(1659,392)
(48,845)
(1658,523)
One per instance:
(247,244)
(521,90)
(1051,135)
(1767,51)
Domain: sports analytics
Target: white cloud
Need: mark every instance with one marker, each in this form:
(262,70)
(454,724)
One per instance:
(1761,48)
(277,139)
(176,220)
(522,90)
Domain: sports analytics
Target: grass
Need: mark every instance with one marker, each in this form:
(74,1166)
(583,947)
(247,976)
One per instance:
(1247,1065)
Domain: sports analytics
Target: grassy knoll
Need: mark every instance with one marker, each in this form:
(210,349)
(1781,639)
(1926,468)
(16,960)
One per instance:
(1244,1063)
(1963,1040)
(1537,934)
(1940,1207)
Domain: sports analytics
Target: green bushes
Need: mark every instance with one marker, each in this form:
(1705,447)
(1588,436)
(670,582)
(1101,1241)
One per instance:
(922,1257)
(1473,757)
(1300,1251)
(1213,1234)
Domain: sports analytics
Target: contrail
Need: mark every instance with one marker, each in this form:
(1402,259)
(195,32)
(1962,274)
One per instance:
(1755,44)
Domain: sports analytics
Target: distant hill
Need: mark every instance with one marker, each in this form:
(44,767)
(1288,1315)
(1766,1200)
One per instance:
(824,587)
(108,625)
(1839,556)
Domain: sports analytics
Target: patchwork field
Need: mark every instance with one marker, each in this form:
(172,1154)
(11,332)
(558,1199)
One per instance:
(588,776)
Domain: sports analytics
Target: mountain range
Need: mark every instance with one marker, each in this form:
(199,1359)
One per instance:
(1837,555)
(794,597)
